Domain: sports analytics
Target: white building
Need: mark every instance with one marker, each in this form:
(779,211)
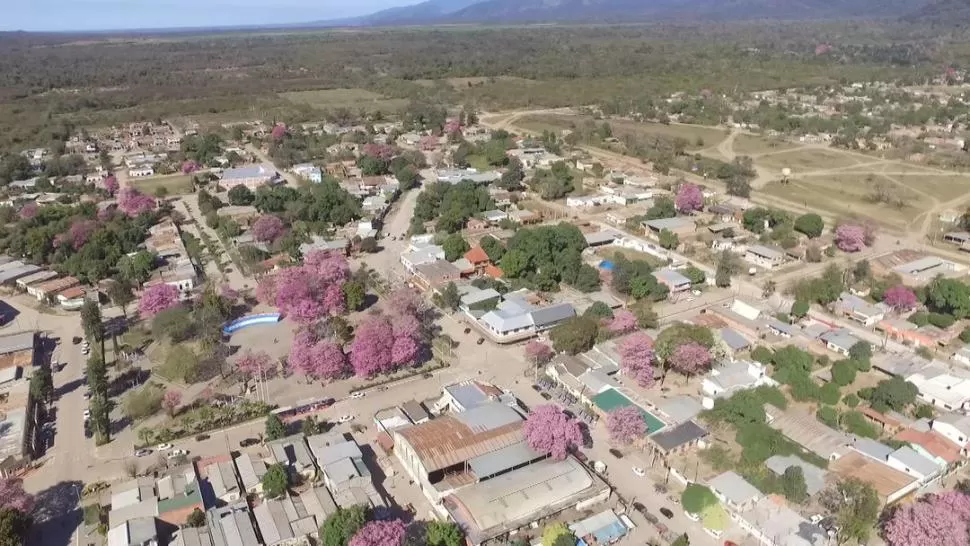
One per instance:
(764,257)
(730,377)
(955,427)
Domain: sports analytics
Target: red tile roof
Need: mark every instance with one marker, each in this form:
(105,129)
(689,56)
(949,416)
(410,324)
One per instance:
(493,271)
(931,441)
(476,255)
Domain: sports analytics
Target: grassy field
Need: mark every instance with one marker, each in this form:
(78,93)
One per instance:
(608,253)
(943,187)
(352,99)
(806,160)
(709,136)
(755,145)
(174,184)
(848,195)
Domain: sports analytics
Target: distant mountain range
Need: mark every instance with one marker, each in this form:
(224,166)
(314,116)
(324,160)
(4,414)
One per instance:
(535,11)
(944,12)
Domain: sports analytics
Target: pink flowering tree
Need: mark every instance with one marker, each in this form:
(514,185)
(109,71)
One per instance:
(170,401)
(13,496)
(690,358)
(371,351)
(28,211)
(308,292)
(189,167)
(380,533)
(255,365)
(689,198)
(319,359)
(385,152)
(133,202)
(623,321)
(549,430)
(156,299)
(637,358)
(940,520)
(626,425)
(268,228)
(850,237)
(279,131)
(900,298)
(110,184)
(80,231)
(452,126)
(538,352)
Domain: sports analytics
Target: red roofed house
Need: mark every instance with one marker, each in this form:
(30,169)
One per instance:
(493,271)
(478,258)
(932,442)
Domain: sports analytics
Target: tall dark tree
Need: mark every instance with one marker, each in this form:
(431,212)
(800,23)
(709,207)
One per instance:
(92,323)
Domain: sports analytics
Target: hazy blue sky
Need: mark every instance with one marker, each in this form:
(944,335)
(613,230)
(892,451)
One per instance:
(63,15)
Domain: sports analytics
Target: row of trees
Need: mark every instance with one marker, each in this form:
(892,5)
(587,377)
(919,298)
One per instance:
(546,256)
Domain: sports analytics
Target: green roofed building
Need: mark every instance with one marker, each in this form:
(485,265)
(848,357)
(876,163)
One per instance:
(612,399)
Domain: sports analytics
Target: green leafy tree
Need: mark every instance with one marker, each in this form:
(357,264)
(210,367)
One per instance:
(241,196)
(810,224)
(42,384)
(799,309)
(143,403)
(575,335)
(646,317)
(696,275)
(175,324)
(121,295)
(682,540)
(455,247)
(855,506)
(948,296)
(669,239)
(14,527)
(599,310)
(493,248)
(92,323)
(696,498)
(894,393)
(196,518)
(558,534)
(861,351)
(275,481)
(181,364)
(275,428)
(793,484)
(587,279)
(679,334)
(448,297)
(342,525)
(354,294)
(843,372)
(443,533)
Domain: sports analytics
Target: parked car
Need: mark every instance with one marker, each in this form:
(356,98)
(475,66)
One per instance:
(468,330)
(87,395)
(248,442)
(201,437)
(667,513)
(480,341)
(87,414)
(163,447)
(545,395)
(177,453)
(345,418)
(616,453)
(358,394)
(536,388)
(639,471)
(143,452)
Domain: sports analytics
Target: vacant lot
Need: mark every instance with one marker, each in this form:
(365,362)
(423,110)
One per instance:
(174,184)
(708,136)
(806,160)
(849,195)
(755,145)
(354,99)
(610,252)
(942,186)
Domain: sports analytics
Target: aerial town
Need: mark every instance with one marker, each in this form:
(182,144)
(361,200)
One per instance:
(711,317)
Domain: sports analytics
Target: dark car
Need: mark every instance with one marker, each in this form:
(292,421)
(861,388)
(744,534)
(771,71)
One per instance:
(667,513)
(536,388)
(545,395)
(201,437)
(480,341)
(468,330)
(76,340)
(616,453)
(248,442)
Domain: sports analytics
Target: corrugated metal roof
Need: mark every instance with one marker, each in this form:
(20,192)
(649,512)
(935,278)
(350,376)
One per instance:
(680,435)
(552,314)
(447,441)
(503,459)
(16,342)
(734,487)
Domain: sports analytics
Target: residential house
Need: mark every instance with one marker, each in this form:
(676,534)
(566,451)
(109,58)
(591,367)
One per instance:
(727,378)
(344,472)
(420,255)
(672,279)
(674,441)
(910,334)
(460,397)
(284,522)
(250,176)
(840,341)
(677,226)
(309,171)
(135,532)
(859,309)
(454,176)
(954,427)
(223,480)
(814,476)
(772,523)
(251,471)
(292,452)
(734,491)
(318,243)
(962,355)
(733,342)
(942,389)
(925,269)
(514,318)
(931,444)
(232,525)
(430,276)
(764,257)
(45,291)
(479,260)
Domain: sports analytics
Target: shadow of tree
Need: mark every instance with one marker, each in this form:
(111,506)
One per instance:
(56,515)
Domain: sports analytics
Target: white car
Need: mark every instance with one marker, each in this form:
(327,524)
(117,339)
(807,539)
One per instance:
(177,453)
(87,414)
(639,471)
(345,418)
(358,394)
(163,447)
